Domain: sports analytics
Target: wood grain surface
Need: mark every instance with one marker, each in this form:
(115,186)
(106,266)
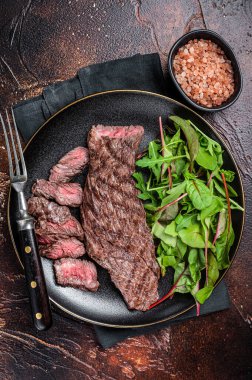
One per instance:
(47,41)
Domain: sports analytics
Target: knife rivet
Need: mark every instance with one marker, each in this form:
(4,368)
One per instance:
(33,284)
(38,315)
(27,249)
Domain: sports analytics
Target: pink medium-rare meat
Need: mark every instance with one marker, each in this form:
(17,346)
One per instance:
(113,218)
(69,165)
(40,207)
(64,247)
(70,227)
(76,273)
(65,194)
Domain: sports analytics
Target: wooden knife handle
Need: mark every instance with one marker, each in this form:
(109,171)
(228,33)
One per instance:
(39,300)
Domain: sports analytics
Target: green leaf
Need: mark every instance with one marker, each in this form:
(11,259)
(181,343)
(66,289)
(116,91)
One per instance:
(216,206)
(213,271)
(171,229)
(229,175)
(186,283)
(203,294)
(199,194)
(223,245)
(192,236)
(174,193)
(194,264)
(169,213)
(147,162)
(153,151)
(181,247)
(205,159)
(185,220)
(190,134)
(159,231)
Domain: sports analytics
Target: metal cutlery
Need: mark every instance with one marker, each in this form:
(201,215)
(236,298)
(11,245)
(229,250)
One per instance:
(39,300)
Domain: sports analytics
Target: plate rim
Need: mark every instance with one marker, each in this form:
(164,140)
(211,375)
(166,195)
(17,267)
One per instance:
(132,91)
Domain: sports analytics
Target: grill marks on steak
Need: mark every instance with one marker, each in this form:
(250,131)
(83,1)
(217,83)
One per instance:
(65,194)
(39,207)
(114,222)
(77,273)
(69,165)
(64,247)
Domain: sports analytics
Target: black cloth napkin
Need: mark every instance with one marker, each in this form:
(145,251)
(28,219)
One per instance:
(218,301)
(140,72)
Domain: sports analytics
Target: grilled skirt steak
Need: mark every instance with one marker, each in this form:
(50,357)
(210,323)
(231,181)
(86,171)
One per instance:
(65,194)
(76,273)
(70,165)
(63,247)
(113,218)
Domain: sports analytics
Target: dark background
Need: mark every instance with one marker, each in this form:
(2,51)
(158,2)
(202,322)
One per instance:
(47,41)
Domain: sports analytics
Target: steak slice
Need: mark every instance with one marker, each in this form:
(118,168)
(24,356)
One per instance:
(40,207)
(66,194)
(70,227)
(64,247)
(113,218)
(69,165)
(53,219)
(76,273)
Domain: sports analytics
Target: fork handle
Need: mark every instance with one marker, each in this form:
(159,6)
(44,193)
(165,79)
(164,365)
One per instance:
(40,306)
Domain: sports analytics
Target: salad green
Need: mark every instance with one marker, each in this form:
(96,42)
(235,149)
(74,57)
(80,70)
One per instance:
(186,195)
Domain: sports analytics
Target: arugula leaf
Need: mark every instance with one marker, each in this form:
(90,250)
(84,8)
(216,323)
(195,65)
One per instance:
(199,194)
(147,162)
(153,151)
(140,185)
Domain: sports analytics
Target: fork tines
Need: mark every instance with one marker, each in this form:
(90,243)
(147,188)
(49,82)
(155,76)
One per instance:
(18,176)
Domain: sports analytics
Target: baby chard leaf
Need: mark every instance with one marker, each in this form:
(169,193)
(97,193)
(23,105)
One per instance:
(190,135)
(199,194)
(205,159)
(203,294)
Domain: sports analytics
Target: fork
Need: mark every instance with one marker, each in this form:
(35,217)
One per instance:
(35,280)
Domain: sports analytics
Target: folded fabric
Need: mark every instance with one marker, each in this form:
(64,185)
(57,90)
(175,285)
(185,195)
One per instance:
(218,301)
(141,72)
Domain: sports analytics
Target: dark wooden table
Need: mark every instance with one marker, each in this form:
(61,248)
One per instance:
(47,41)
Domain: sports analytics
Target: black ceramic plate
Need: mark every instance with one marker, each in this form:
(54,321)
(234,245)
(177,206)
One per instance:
(68,129)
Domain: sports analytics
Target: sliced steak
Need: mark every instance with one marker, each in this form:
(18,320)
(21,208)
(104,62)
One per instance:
(70,165)
(70,227)
(52,219)
(64,247)
(40,207)
(76,273)
(66,194)
(113,218)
